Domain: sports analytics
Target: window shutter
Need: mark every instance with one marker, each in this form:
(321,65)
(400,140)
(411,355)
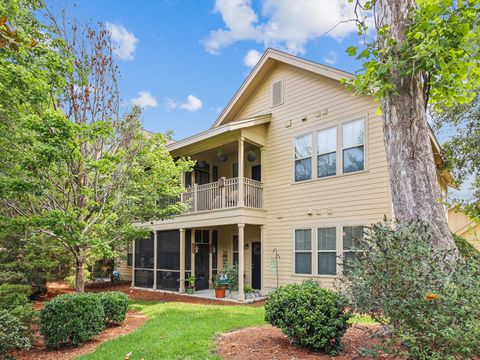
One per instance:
(277,93)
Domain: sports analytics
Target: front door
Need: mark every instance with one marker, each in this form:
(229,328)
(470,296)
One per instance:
(202,255)
(256,265)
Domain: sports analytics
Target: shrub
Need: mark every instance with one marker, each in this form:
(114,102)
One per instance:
(12,277)
(310,316)
(14,334)
(429,300)
(71,319)
(115,306)
(14,299)
(467,250)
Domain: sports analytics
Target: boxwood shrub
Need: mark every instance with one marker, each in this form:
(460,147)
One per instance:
(71,319)
(309,315)
(115,305)
(14,334)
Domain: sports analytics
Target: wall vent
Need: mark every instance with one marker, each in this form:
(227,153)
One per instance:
(277,93)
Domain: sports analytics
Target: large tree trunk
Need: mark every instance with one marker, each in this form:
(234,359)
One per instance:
(79,275)
(416,193)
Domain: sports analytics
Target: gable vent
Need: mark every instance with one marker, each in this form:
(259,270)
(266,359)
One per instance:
(277,93)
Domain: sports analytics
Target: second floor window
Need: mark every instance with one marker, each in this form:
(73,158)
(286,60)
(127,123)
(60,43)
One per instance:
(327,152)
(353,146)
(303,157)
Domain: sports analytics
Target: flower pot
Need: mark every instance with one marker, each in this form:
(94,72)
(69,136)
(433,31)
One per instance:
(190,289)
(220,292)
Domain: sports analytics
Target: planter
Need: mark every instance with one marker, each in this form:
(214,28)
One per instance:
(233,294)
(250,295)
(220,292)
(190,290)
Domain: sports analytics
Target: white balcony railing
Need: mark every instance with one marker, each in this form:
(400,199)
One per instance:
(223,194)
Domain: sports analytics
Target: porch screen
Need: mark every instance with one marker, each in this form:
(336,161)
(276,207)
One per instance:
(168,260)
(143,274)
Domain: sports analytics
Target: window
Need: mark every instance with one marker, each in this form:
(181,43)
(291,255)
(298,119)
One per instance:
(351,235)
(327,152)
(277,93)
(235,249)
(327,251)
(303,157)
(129,259)
(353,146)
(235,169)
(303,251)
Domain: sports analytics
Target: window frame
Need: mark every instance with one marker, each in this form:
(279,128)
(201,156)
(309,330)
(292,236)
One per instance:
(311,251)
(363,146)
(334,251)
(328,153)
(312,167)
(343,247)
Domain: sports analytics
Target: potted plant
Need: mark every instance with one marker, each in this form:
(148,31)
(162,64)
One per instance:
(220,285)
(249,292)
(232,276)
(190,287)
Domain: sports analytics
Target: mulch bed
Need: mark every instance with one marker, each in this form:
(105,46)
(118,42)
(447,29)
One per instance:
(38,352)
(268,343)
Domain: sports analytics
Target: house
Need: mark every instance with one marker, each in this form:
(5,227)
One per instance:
(287,176)
(461,225)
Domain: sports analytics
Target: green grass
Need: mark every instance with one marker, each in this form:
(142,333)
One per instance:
(178,331)
(362,320)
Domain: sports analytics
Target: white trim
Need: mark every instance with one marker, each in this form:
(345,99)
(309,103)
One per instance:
(232,126)
(311,251)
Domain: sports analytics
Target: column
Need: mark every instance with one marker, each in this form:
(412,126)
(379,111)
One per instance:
(241,261)
(133,263)
(241,155)
(262,257)
(154,259)
(182,260)
(210,256)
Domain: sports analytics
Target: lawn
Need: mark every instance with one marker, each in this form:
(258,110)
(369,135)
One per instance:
(178,331)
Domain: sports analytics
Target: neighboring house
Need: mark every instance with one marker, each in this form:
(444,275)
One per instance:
(461,225)
(285,179)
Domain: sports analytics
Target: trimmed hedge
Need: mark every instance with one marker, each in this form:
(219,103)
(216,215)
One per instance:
(115,306)
(310,316)
(14,334)
(71,319)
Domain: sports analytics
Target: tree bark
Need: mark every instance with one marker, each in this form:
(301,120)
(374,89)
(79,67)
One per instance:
(79,275)
(416,192)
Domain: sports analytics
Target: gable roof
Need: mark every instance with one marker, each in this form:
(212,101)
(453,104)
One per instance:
(266,62)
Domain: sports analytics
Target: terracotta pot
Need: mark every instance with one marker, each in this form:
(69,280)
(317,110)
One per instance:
(220,293)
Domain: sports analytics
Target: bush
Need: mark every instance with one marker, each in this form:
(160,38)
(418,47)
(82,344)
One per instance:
(310,316)
(115,306)
(467,250)
(71,319)
(429,300)
(14,299)
(12,277)
(14,335)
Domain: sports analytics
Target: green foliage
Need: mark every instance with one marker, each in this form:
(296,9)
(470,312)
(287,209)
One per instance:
(70,279)
(12,277)
(14,335)
(14,299)
(232,277)
(115,306)
(440,44)
(468,252)
(429,302)
(310,316)
(71,319)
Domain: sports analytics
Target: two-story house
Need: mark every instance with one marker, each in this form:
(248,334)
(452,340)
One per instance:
(290,172)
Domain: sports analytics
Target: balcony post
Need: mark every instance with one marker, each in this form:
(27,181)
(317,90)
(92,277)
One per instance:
(195,197)
(241,156)
(182,260)
(192,257)
(154,259)
(241,261)
(133,263)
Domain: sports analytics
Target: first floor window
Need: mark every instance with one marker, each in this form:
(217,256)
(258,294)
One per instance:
(303,251)
(303,157)
(327,251)
(235,249)
(351,236)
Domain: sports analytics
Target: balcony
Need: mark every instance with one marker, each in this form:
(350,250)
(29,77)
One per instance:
(224,194)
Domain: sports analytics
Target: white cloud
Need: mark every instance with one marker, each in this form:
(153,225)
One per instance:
(192,104)
(331,58)
(289,25)
(145,100)
(124,41)
(252,58)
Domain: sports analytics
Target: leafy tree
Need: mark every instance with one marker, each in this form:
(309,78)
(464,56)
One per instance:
(424,51)
(72,169)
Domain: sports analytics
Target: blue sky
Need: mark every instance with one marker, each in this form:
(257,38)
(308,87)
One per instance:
(184,59)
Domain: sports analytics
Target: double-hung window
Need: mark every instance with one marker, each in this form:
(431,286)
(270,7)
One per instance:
(353,146)
(303,251)
(327,251)
(351,236)
(235,249)
(327,152)
(303,157)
